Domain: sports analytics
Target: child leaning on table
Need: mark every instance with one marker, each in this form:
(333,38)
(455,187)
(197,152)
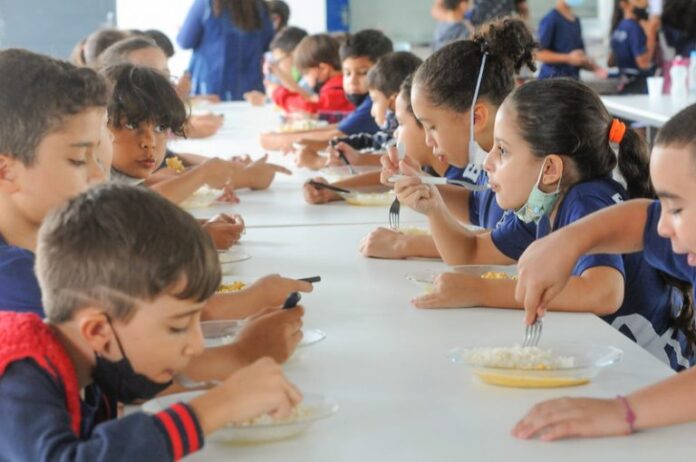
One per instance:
(384,82)
(55,144)
(122,321)
(546,179)
(358,54)
(664,231)
(141,51)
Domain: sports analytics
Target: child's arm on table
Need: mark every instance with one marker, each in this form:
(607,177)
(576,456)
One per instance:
(268,291)
(668,402)
(215,173)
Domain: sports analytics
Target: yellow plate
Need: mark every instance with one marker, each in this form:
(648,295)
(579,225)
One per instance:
(516,381)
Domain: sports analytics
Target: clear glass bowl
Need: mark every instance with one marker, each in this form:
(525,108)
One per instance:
(589,360)
(315,407)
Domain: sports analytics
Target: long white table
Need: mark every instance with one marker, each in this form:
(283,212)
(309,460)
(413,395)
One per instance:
(654,112)
(385,361)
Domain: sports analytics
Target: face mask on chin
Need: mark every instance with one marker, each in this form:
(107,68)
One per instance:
(356,99)
(118,379)
(539,203)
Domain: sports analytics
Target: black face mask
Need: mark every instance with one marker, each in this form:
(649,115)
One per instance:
(118,379)
(356,99)
(641,14)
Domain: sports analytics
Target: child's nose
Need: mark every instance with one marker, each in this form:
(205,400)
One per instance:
(664,226)
(147,138)
(196,345)
(488,162)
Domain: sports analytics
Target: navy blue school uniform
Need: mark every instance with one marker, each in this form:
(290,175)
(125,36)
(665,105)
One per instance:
(360,120)
(627,42)
(44,417)
(484,210)
(19,289)
(226,60)
(649,302)
(373,141)
(558,34)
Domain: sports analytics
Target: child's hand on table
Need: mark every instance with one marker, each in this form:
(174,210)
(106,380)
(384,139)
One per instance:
(260,174)
(204,126)
(568,417)
(314,195)
(274,333)
(307,157)
(218,173)
(383,243)
(225,230)
(255,390)
(272,290)
(452,290)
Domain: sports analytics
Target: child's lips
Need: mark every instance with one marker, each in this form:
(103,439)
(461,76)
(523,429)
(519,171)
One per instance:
(147,163)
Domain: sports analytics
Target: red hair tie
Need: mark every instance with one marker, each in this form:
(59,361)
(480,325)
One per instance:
(617,131)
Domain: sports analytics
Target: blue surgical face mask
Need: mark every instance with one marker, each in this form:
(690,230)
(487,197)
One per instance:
(118,379)
(574,3)
(539,203)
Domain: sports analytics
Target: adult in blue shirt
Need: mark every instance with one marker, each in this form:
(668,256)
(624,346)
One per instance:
(632,45)
(562,49)
(228,38)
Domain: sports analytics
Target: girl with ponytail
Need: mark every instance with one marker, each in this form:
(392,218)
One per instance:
(551,165)
(664,232)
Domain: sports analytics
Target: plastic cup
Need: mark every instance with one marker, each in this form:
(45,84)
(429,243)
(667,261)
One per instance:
(655,85)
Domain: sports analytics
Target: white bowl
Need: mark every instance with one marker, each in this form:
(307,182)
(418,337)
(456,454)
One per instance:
(314,407)
(588,360)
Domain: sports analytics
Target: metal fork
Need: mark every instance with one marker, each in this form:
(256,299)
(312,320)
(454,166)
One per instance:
(394,210)
(532,334)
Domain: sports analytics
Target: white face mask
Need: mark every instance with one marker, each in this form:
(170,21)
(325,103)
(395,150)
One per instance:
(472,142)
(119,177)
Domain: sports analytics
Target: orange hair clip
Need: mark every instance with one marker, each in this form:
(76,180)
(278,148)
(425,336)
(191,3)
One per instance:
(617,131)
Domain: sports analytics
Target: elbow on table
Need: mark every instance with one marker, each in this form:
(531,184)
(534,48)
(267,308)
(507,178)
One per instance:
(606,302)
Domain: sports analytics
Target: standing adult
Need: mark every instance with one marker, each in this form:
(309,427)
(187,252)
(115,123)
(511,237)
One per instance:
(228,38)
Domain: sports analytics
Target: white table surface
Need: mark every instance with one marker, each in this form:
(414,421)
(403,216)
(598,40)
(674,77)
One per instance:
(385,363)
(642,108)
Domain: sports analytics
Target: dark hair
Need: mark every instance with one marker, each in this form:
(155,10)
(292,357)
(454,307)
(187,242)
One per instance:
(37,94)
(280,9)
(161,40)
(141,94)
(452,4)
(680,130)
(119,51)
(391,70)
(680,15)
(405,93)
(287,39)
(314,50)
(245,14)
(449,75)
(127,239)
(99,41)
(566,117)
(368,43)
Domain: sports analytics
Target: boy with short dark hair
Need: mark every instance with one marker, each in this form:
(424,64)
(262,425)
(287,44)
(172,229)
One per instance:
(316,57)
(121,325)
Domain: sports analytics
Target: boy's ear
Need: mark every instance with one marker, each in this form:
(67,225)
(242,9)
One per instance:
(392,102)
(9,173)
(97,331)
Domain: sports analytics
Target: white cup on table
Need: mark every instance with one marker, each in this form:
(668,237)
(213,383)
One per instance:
(655,85)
